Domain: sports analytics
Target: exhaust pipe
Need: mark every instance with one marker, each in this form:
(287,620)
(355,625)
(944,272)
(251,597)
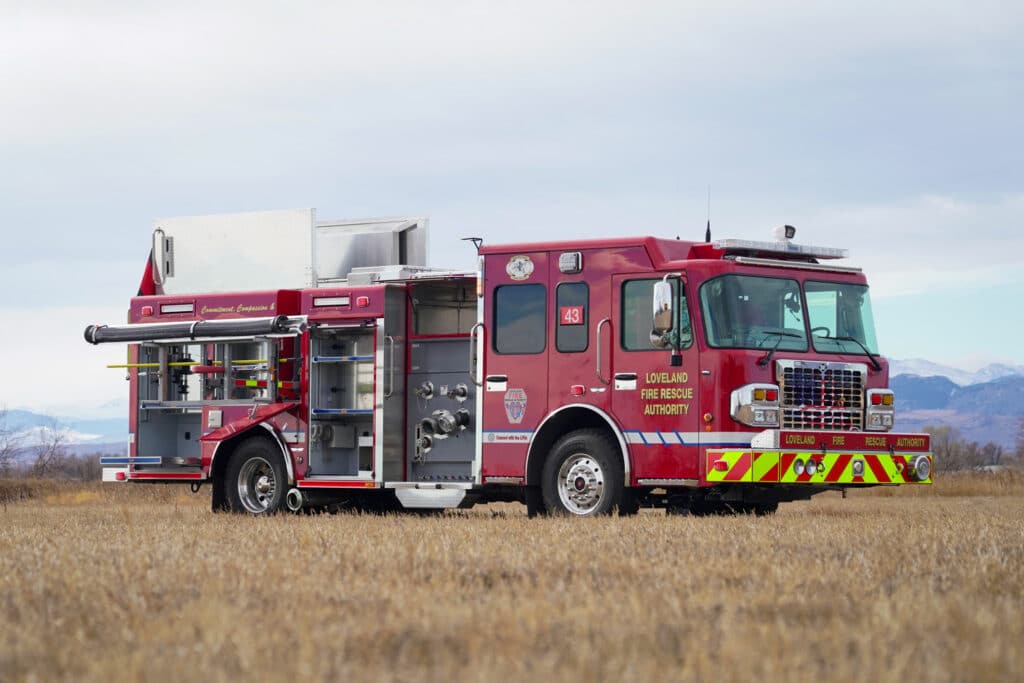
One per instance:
(293,500)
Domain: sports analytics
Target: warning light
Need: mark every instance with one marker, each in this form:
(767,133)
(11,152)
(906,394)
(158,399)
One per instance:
(362,301)
(120,476)
(147,310)
(577,390)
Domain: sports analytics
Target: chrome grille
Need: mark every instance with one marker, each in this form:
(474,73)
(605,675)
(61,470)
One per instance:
(819,395)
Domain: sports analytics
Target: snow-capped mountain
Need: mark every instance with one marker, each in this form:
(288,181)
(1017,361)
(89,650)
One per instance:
(926,368)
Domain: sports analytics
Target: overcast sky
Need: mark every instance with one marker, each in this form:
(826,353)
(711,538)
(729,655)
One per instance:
(894,131)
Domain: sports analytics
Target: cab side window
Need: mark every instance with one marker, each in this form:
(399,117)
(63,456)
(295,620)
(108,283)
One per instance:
(520,314)
(573,302)
(638,316)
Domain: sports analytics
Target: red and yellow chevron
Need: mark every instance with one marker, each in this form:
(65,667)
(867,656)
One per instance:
(776,467)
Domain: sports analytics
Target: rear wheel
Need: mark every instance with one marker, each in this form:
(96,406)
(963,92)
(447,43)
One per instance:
(583,475)
(256,480)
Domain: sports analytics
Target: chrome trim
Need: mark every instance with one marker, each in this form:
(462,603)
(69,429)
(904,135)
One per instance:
(603,415)
(285,453)
(848,403)
(668,482)
(504,480)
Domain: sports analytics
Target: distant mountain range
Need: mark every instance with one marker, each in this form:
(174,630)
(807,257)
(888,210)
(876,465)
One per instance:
(926,368)
(84,436)
(984,406)
(987,405)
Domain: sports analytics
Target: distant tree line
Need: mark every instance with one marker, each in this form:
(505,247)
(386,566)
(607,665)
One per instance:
(48,458)
(954,453)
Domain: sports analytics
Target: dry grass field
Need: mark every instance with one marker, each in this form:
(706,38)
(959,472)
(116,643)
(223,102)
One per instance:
(146,584)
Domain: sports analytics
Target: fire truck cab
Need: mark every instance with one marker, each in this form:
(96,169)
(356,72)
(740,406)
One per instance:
(577,377)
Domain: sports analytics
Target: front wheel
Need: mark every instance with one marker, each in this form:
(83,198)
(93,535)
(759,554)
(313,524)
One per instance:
(583,475)
(256,479)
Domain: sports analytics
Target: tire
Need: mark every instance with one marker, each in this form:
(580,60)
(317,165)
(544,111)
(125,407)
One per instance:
(583,475)
(255,481)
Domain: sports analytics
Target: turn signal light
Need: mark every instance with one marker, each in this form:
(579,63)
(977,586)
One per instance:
(887,399)
(760,394)
(876,399)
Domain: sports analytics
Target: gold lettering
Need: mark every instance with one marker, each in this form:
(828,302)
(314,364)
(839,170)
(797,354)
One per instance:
(667,409)
(874,441)
(799,440)
(838,440)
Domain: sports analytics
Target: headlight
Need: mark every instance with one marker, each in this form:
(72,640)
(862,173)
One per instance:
(811,467)
(798,467)
(880,410)
(756,405)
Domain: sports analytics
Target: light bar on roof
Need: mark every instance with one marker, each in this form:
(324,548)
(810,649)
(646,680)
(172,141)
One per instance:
(779,248)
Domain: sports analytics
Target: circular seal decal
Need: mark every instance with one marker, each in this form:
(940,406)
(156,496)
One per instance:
(519,267)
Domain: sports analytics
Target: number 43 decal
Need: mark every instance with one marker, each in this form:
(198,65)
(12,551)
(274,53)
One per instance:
(570,315)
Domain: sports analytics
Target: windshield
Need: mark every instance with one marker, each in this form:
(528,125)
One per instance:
(749,312)
(839,313)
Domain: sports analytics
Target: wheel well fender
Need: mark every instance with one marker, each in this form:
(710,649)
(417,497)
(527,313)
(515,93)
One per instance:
(224,449)
(562,421)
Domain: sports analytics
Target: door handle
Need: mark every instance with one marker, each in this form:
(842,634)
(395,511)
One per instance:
(625,381)
(496,382)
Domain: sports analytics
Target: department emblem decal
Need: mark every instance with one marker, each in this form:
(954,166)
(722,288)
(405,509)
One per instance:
(515,405)
(519,267)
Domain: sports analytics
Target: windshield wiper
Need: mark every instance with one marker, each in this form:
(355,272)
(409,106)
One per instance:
(766,358)
(874,360)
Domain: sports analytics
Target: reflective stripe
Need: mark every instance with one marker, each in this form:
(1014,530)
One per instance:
(832,468)
(719,439)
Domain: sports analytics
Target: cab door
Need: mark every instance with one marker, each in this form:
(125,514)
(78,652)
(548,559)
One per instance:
(654,397)
(517,311)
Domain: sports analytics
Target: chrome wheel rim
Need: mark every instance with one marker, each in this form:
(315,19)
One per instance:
(581,484)
(257,485)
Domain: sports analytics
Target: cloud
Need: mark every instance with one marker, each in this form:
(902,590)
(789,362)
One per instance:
(122,69)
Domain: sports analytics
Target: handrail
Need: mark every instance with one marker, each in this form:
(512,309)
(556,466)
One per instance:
(598,335)
(473,358)
(391,367)
(158,261)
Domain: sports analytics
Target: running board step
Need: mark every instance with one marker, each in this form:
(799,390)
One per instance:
(431,499)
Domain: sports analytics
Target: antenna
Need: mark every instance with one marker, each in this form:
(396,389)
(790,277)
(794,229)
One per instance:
(477,241)
(707,235)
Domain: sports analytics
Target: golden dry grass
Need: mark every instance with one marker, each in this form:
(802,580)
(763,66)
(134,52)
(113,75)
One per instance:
(112,583)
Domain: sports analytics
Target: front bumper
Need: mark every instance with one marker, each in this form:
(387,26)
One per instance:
(840,469)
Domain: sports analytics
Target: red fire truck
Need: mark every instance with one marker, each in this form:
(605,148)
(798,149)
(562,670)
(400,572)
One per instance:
(577,377)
